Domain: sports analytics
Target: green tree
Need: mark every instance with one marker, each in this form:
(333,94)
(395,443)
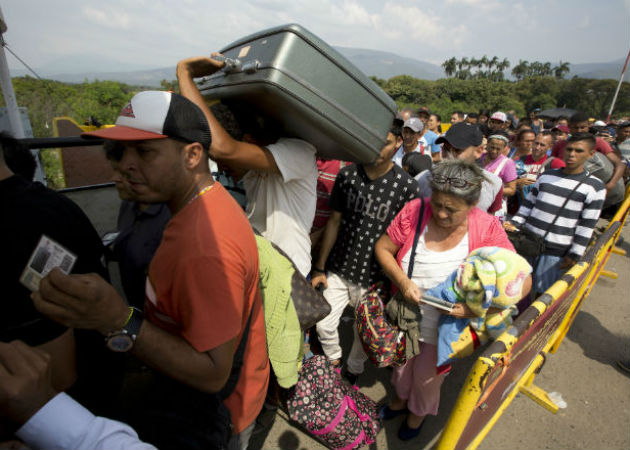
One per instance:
(521,70)
(561,70)
(450,66)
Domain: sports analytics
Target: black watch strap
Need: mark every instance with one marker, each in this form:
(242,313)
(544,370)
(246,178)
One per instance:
(135,323)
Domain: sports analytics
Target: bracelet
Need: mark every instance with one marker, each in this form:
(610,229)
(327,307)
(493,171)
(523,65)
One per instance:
(128,317)
(315,269)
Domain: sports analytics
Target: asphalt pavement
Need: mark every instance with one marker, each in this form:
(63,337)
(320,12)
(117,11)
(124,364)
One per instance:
(583,371)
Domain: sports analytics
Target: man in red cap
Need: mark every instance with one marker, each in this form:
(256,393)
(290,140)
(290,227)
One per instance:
(560,133)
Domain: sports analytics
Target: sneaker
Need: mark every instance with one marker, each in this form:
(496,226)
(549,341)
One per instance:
(351,377)
(406,433)
(386,413)
(624,365)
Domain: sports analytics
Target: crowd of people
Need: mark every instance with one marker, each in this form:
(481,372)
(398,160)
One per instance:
(191,312)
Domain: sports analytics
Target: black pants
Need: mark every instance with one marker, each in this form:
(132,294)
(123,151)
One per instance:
(171,415)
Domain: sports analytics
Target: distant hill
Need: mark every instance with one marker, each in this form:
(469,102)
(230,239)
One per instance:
(381,64)
(599,70)
(387,65)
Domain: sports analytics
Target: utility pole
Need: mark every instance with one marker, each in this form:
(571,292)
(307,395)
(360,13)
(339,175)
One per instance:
(612,104)
(15,120)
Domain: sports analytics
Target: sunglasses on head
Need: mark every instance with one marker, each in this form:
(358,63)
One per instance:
(454,182)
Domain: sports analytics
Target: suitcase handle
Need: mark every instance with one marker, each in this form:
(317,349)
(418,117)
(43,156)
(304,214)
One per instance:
(231,65)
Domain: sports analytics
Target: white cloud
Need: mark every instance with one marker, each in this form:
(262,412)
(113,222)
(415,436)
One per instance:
(106,17)
(158,32)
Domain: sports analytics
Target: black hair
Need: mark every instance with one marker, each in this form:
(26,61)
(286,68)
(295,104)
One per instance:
(559,118)
(226,118)
(439,119)
(523,131)
(17,156)
(503,133)
(578,117)
(396,128)
(261,127)
(416,163)
(545,133)
(588,137)
(484,112)
(473,115)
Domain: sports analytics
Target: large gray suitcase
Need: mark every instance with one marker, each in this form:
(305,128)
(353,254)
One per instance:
(313,91)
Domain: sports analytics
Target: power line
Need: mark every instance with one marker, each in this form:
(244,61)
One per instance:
(51,92)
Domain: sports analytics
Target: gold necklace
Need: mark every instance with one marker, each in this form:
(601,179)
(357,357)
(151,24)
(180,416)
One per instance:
(201,192)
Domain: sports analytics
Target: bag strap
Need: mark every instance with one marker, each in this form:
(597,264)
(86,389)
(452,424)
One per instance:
(500,166)
(546,164)
(237,362)
(566,200)
(415,239)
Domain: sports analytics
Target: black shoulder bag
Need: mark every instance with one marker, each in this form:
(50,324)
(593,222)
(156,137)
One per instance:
(529,244)
(171,415)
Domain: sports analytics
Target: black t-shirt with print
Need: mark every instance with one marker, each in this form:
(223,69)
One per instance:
(367,208)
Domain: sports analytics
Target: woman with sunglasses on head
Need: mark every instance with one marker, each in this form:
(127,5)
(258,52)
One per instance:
(451,227)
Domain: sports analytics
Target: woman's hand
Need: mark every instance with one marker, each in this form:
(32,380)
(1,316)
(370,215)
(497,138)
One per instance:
(461,311)
(411,291)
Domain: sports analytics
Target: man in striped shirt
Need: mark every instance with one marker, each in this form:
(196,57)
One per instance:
(563,206)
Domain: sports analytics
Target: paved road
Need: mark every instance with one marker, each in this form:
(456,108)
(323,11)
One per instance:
(583,371)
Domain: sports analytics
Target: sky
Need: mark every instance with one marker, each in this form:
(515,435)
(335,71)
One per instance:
(113,35)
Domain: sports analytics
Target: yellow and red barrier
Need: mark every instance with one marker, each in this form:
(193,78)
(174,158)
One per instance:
(510,364)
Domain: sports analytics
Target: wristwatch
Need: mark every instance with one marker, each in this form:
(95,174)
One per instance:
(122,340)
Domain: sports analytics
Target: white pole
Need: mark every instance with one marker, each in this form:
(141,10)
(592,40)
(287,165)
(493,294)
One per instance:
(623,72)
(15,120)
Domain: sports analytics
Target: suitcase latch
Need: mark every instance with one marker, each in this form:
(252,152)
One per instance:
(251,66)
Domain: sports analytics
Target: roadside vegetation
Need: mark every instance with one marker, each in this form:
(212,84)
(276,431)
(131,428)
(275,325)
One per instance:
(100,101)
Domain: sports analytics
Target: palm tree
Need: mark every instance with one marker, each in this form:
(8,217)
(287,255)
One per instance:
(463,71)
(561,70)
(474,63)
(450,67)
(493,62)
(521,70)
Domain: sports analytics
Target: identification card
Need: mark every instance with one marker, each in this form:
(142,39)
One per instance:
(47,255)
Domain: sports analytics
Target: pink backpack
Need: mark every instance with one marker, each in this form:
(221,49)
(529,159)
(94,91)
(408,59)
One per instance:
(332,410)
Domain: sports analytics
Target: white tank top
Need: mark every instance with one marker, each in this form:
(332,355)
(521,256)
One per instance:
(430,269)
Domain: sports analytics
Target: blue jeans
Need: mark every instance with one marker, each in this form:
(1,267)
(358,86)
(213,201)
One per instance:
(546,272)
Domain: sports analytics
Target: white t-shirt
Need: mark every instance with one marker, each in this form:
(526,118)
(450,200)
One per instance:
(282,206)
(430,268)
(421,148)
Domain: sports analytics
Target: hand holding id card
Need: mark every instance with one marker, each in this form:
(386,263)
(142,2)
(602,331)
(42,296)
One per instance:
(47,255)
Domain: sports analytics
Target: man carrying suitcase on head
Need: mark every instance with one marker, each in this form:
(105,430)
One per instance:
(282,173)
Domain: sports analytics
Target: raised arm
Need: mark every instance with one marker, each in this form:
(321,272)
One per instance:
(224,148)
